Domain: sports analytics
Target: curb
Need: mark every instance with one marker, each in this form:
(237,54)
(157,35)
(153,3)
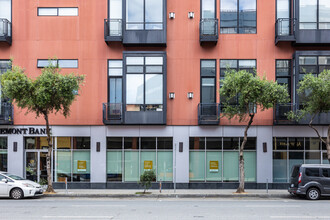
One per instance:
(73,195)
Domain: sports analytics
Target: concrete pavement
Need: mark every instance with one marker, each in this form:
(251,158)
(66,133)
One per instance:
(189,193)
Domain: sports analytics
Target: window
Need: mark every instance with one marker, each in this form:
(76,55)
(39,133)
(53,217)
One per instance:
(248,65)
(59,63)
(115,73)
(238,16)
(326,172)
(217,159)
(3,154)
(314,14)
(57,11)
(129,157)
(312,172)
(115,17)
(208,79)
(144,14)
(283,73)
(289,152)
(144,83)
(72,159)
(4,105)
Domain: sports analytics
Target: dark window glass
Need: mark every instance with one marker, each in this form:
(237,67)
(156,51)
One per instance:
(164,143)
(230,143)
(131,143)
(81,143)
(251,143)
(312,144)
(213,143)
(247,16)
(295,171)
(3,143)
(296,143)
(280,143)
(196,143)
(208,68)
(312,172)
(4,66)
(326,172)
(114,143)
(148,143)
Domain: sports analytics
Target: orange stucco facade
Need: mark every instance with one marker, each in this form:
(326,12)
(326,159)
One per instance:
(82,37)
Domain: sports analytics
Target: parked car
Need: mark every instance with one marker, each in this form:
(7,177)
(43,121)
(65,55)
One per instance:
(16,187)
(310,180)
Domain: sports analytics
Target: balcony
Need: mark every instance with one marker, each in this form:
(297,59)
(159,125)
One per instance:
(208,30)
(113,30)
(280,117)
(112,113)
(5,31)
(208,114)
(118,113)
(285,30)
(6,114)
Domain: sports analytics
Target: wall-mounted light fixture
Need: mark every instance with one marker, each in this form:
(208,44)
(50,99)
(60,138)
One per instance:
(171,95)
(171,15)
(190,95)
(15,146)
(191,15)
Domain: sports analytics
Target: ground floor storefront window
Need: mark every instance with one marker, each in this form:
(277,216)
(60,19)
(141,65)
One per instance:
(3,153)
(290,151)
(72,159)
(217,159)
(129,157)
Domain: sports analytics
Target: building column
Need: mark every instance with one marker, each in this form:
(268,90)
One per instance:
(15,159)
(181,159)
(98,159)
(264,159)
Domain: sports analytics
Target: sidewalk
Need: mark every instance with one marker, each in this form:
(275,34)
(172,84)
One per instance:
(190,193)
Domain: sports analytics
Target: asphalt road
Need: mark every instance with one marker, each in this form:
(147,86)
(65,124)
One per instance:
(140,208)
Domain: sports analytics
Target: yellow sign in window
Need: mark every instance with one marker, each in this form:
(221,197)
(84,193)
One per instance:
(214,166)
(148,165)
(82,165)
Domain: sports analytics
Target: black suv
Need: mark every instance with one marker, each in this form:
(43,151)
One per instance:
(310,180)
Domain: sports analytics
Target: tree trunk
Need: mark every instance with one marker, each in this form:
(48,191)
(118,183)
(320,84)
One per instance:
(49,155)
(327,141)
(240,188)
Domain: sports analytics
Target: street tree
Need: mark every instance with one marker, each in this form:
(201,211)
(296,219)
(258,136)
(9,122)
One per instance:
(241,94)
(314,92)
(50,92)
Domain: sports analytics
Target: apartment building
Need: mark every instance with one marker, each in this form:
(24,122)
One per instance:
(151,98)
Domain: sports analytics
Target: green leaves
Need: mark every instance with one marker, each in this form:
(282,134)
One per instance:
(240,90)
(49,92)
(314,94)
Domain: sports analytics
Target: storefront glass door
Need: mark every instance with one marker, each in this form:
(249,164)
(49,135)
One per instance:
(36,166)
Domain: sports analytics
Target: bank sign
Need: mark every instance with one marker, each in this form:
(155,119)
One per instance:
(24,131)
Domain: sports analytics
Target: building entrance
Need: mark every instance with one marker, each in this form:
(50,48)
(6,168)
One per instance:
(36,166)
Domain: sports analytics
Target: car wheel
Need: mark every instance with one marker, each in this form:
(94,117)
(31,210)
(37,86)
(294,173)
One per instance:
(16,193)
(313,194)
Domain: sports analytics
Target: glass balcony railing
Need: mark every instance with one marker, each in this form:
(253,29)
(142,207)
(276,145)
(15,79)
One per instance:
(112,113)
(208,30)
(113,29)
(285,29)
(208,113)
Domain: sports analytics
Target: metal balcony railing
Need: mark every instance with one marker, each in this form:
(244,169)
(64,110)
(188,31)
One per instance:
(5,27)
(208,30)
(112,113)
(208,113)
(113,29)
(285,29)
(6,113)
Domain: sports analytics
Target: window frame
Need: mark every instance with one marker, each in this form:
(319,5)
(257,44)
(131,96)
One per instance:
(208,77)
(317,19)
(238,23)
(289,76)
(201,9)
(125,14)
(57,63)
(58,12)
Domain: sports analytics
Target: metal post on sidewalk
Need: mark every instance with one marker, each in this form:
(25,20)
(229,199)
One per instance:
(160,185)
(174,168)
(267,186)
(66,185)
